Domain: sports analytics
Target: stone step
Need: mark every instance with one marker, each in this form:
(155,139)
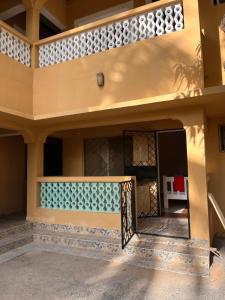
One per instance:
(15,230)
(15,241)
(97,232)
(146,252)
(15,235)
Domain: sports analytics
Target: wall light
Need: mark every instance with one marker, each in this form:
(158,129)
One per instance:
(100,79)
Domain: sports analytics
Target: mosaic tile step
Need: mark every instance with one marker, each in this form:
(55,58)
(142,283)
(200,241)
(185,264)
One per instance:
(98,232)
(172,245)
(158,256)
(171,241)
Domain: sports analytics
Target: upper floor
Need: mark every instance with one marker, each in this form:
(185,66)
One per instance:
(70,57)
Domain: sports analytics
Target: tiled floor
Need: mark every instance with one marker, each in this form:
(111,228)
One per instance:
(175,227)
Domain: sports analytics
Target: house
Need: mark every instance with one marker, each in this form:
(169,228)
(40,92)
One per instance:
(106,107)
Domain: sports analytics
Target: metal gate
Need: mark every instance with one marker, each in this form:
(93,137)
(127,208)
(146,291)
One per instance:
(128,212)
(140,160)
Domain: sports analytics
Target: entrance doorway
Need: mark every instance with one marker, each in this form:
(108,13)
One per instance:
(158,159)
(13,178)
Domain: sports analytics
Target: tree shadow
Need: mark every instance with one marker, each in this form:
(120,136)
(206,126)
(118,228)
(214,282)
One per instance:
(189,77)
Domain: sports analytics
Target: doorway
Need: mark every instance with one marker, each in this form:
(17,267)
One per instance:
(53,157)
(158,159)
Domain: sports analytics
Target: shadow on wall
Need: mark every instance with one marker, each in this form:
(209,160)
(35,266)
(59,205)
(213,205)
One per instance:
(185,76)
(193,132)
(190,76)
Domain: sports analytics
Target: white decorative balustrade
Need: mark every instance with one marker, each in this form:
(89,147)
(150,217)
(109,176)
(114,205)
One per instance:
(14,47)
(136,28)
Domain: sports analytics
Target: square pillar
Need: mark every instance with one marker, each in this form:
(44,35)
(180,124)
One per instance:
(197,177)
(35,166)
(33,24)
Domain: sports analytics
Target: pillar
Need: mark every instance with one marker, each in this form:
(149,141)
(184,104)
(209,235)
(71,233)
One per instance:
(35,166)
(194,125)
(33,23)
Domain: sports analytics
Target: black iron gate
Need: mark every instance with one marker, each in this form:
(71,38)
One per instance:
(140,160)
(128,212)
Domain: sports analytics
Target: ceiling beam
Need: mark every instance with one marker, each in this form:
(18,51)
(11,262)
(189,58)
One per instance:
(11,12)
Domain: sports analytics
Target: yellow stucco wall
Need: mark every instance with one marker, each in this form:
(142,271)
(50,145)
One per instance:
(216,168)
(12,175)
(211,16)
(16,86)
(76,218)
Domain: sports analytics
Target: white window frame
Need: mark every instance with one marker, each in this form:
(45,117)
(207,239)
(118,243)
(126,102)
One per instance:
(104,13)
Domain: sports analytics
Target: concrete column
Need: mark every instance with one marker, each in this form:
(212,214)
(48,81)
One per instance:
(199,215)
(33,23)
(35,166)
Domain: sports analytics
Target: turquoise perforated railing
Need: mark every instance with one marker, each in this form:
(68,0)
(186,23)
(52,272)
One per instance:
(81,196)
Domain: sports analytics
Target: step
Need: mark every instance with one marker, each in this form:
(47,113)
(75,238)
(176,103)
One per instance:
(183,257)
(98,232)
(15,235)
(15,241)
(16,229)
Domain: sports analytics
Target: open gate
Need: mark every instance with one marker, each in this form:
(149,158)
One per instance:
(128,212)
(140,160)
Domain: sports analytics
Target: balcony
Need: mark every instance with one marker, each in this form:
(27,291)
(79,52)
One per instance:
(145,52)
(121,30)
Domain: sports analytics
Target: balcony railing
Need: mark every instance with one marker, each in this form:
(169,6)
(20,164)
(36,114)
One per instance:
(82,193)
(126,28)
(14,45)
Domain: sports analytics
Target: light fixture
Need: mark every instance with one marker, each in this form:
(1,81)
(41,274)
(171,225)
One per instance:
(100,79)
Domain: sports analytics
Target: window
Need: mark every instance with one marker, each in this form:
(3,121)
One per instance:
(218,1)
(222,138)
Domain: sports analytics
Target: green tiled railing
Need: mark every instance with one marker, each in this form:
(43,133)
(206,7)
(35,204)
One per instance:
(81,196)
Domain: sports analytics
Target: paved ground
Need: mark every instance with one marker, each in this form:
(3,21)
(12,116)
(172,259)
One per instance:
(40,274)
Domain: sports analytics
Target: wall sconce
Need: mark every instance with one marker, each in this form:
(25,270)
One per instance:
(100,79)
